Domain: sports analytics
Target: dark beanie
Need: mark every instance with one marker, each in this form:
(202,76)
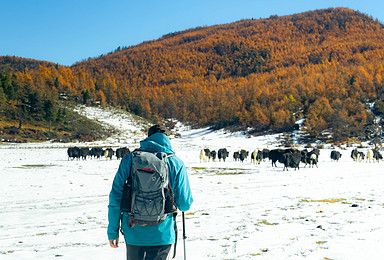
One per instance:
(157,129)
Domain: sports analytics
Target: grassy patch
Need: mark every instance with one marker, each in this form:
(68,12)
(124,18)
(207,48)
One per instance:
(245,205)
(7,252)
(326,200)
(262,250)
(31,166)
(265,222)
(198,168)
(231,173)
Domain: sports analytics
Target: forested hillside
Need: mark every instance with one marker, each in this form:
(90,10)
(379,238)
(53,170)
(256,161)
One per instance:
(324,65)
(34,105)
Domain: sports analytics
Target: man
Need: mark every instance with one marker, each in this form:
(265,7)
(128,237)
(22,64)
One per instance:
(149,242)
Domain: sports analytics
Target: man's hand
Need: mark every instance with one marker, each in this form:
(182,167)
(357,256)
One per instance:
(114,243)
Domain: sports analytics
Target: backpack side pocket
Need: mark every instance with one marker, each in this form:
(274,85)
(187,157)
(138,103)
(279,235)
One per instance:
(126,199)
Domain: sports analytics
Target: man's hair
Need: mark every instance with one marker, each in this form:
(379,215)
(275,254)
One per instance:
(157,129)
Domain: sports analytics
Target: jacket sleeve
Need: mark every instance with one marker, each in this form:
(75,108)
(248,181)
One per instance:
(180,184)
(115,198)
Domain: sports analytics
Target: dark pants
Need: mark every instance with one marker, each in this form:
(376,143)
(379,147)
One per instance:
(148,252)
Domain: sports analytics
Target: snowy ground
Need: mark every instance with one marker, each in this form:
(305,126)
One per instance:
(53,208)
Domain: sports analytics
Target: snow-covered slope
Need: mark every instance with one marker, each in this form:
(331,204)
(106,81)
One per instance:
(55,208)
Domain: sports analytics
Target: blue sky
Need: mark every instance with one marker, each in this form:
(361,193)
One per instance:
(67,31)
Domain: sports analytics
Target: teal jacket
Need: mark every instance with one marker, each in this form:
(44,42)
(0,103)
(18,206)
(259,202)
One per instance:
(164,233)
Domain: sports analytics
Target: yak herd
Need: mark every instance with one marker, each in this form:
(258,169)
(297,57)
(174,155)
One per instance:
(96,152)
(288,157)
(372,155)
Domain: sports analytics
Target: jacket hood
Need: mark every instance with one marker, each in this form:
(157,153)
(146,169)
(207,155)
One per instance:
(157,142)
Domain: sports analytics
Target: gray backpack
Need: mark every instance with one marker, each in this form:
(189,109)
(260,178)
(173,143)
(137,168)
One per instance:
(147,193)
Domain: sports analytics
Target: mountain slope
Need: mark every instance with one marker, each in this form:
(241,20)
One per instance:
(323,65)
(256,73)
(247,46)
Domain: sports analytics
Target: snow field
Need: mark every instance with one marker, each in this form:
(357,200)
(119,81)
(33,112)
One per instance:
(55,208)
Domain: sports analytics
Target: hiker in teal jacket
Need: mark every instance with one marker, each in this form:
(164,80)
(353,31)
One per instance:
(148,242)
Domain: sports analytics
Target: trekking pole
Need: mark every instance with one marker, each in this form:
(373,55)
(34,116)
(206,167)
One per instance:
(184,237)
